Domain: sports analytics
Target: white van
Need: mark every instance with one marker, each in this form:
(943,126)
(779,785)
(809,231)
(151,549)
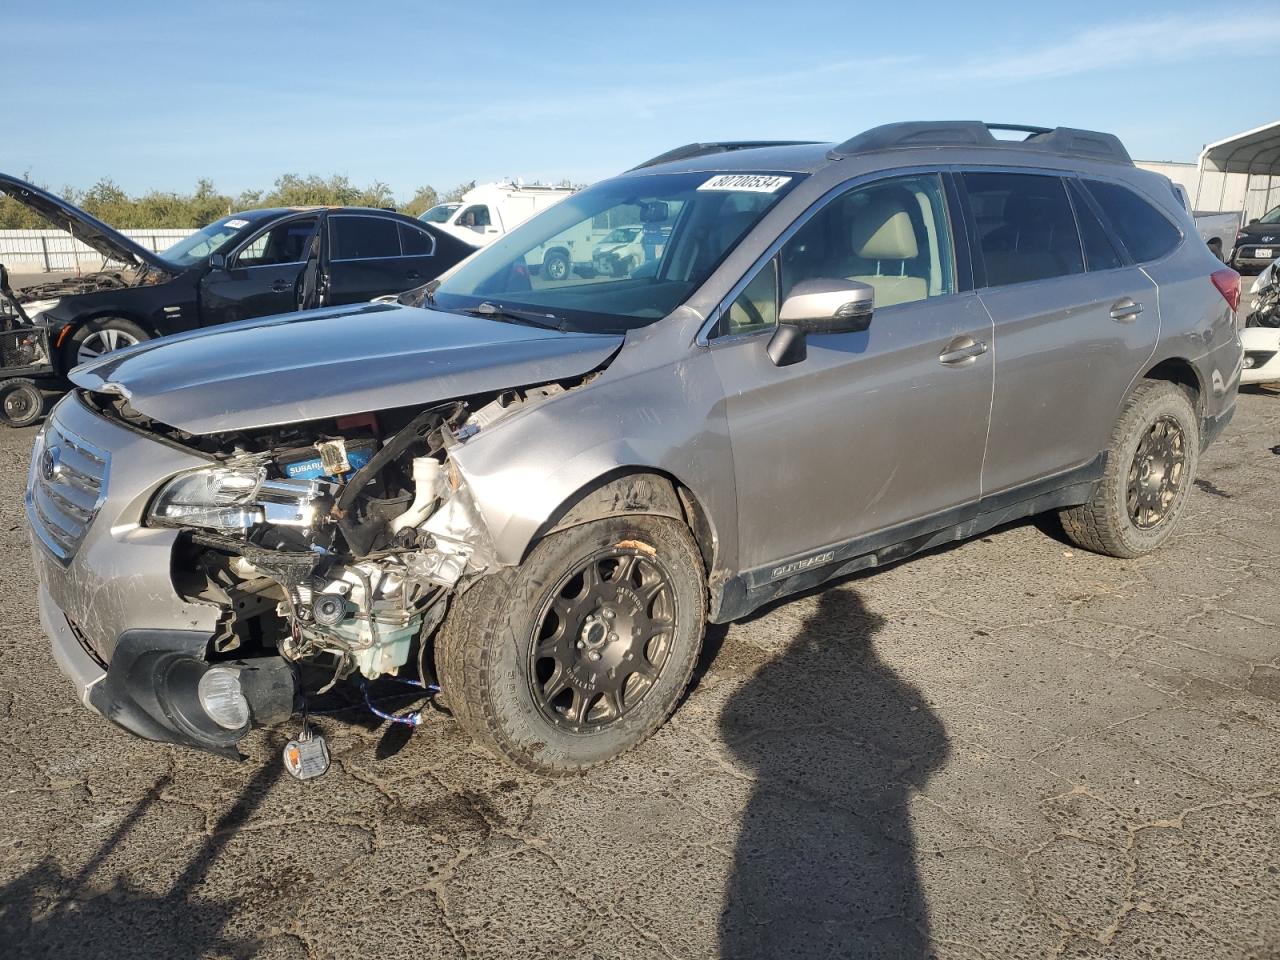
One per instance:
(488,211)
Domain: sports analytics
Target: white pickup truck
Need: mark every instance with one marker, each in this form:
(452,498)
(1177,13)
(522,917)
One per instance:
(1217,230)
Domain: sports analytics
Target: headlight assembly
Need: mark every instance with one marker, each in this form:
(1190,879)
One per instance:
(233,499)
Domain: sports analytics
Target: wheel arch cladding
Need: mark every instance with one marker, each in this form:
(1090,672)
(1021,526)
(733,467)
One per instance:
(634,491)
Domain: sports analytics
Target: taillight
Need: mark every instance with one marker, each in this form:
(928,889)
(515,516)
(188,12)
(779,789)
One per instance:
(1228,283)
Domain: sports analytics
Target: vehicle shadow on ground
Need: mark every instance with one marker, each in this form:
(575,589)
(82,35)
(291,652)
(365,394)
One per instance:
(48,912)
(825,864)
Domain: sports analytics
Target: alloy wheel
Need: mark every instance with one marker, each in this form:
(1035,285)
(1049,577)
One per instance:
(1156,474)
(103,341)
(602,639)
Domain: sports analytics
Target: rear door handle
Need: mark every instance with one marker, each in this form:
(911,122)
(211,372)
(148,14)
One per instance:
(413,275)
(962,351)
(280,286)
(1125,310)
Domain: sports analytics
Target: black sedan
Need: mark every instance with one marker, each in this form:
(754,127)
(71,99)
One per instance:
(250,264)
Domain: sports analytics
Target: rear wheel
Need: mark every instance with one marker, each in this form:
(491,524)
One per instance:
(103,335)
(555,266)
(581,652)
(1151,464)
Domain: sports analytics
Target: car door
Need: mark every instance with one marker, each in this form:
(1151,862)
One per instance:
(261,276)
(1071,330)
(365,259)
(872,429)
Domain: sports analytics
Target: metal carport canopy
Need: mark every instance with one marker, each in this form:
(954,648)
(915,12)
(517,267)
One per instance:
(1256,152)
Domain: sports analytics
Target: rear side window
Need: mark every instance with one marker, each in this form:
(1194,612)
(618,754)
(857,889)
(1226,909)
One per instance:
(1099,252)
(1144,230)
(415,242)
(363,238)
(1026,230)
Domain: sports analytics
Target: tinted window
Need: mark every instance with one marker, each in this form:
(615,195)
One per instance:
(283,243)
(1026,230)
(1099,252)
(415,242)
(1144,231)
(892,234)
(363,238)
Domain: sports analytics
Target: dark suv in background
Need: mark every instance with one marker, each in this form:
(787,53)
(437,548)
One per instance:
(1257,243)
(249,264)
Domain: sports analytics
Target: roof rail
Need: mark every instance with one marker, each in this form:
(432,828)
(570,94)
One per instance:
(691,150)
(974,133)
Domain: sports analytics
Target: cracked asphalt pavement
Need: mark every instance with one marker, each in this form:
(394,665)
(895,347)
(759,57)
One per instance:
(1007,748)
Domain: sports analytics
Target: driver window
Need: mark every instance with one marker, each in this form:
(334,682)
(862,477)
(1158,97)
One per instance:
(892,234)
(283,243)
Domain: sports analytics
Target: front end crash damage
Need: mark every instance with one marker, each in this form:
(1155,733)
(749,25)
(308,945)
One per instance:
(334,545)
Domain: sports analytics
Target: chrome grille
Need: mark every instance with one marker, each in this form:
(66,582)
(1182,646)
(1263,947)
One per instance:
(67,485)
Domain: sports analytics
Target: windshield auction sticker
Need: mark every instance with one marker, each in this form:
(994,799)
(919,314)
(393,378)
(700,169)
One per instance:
(750,182)
(236,224)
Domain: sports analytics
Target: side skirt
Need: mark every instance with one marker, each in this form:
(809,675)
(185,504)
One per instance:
(741,594)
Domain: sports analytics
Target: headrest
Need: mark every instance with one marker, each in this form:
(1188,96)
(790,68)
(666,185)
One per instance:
(883,231)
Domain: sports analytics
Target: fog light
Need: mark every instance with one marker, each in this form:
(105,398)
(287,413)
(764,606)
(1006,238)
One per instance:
(1248,362)
(222,699)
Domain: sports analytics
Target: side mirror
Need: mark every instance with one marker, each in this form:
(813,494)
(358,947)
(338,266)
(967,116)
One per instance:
(819,306)
(4,277)
(217,261)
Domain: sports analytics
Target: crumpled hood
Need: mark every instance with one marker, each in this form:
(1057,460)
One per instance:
(109,242)
(332,362)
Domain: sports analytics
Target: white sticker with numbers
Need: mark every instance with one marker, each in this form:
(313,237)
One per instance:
(749,182)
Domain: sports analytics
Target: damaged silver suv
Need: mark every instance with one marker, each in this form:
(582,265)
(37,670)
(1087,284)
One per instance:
(537,491)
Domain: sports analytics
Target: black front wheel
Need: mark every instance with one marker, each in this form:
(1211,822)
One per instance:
(581,652)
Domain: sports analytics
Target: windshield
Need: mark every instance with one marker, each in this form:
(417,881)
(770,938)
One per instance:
(440,213)
(685,224)
(1271,216)
(197,247)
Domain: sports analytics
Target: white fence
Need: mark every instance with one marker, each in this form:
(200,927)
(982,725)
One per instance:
(34,251)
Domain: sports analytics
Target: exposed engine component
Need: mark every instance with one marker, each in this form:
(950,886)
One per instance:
(338,544)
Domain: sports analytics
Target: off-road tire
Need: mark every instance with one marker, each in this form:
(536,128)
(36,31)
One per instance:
(482,649)
(1103,525)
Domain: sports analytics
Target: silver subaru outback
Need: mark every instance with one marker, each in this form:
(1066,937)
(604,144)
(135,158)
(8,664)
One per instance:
(532,489)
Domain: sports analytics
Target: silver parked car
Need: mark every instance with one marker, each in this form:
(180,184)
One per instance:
(537,494)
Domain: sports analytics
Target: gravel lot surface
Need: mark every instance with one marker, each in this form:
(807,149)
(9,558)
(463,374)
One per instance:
(1008,748)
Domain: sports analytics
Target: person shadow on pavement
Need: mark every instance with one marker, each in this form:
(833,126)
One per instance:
(825,864)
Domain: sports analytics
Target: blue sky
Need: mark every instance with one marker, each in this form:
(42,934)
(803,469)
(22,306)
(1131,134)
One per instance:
(158,95)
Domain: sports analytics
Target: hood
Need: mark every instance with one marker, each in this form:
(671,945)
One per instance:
(332,362)
(1262,232)
(105,240)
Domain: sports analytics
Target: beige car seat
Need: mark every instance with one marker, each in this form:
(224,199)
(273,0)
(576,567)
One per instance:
(884,233)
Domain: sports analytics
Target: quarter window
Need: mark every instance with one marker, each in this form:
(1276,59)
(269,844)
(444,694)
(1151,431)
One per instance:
(1099,252)
(284,243)
(363,238)
(756,308)
(415,242)
(1146,233)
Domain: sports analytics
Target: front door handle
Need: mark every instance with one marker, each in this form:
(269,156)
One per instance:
(1125,310)
(412,275)
(962,351)
(279,286)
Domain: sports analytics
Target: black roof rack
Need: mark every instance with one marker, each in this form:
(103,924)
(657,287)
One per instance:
(974,133)
(690,150)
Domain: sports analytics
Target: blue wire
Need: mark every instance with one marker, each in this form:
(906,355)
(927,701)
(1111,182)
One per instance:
(414,719)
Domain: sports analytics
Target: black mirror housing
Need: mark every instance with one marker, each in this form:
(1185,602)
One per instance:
(217,261)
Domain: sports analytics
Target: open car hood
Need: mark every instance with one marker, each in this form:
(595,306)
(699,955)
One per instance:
(109,242)
(332,362)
